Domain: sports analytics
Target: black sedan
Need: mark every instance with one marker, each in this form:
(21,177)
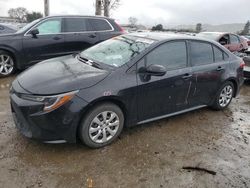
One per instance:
(124,81)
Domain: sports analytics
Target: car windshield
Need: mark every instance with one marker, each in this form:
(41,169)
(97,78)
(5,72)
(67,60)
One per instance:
(211,36)
(117,51)
(28,26)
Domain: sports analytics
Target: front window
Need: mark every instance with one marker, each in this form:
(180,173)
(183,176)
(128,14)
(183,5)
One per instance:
(117,51)
(51,26)
(172,55)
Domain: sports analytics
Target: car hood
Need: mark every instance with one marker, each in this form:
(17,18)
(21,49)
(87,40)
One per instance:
(4,35)
(59,75)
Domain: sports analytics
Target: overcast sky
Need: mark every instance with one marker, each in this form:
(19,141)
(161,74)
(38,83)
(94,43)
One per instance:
(149,12)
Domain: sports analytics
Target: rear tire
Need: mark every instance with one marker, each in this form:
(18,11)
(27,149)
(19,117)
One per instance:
(7,64)
(224,96)
(101,125)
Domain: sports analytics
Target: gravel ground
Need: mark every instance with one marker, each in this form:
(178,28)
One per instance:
(149,155)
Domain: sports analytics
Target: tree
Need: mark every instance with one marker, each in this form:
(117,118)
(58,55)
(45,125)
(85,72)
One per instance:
(107,6)
(245,31)
(98,7)
(132,20)
(198,28)
(18,13)
(158,27)
(33,16)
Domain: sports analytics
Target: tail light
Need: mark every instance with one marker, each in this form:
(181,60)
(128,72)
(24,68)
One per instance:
(120,28)
(242,64)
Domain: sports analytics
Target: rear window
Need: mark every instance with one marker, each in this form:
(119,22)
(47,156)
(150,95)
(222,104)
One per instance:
(100,25)
(76,25)
(218,54)
(201,53)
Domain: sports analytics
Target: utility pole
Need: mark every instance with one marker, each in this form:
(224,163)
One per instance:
(98,7)
(46,7)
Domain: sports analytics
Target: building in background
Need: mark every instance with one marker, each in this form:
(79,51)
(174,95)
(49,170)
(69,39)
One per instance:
(8,20)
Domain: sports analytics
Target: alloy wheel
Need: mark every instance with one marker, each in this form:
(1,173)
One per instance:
(6,64)
(104,127)
(226,96)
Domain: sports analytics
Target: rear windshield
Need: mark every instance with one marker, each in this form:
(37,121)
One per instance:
(117,51)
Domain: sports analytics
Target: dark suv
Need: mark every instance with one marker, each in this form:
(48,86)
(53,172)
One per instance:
(51,37)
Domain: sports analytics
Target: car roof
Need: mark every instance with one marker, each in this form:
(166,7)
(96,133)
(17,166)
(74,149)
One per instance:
(72,15)
(218,33)
(162,36)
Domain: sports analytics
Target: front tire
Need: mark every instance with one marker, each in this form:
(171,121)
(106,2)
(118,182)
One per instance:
(101,125)
(7,64)
(224,96)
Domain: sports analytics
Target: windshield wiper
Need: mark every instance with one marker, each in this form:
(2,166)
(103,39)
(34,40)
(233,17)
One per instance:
(90,62)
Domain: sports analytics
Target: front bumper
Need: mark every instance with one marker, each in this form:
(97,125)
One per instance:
(58,125)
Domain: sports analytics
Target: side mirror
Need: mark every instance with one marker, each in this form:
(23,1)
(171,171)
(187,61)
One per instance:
(34,32)
(153,70)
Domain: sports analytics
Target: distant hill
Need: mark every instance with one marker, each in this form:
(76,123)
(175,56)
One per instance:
(234,27)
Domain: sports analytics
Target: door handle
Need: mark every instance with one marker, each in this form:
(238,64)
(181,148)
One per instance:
(186,76)
(57,38)
(92,36)
(220,68)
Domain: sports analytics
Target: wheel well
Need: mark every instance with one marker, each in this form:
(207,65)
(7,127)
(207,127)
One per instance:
(100,101)
(235,86)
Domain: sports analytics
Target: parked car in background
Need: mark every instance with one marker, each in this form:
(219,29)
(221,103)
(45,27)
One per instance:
(232,42)
(247,38)
(244,42)
(52,37)
(99,91)
(7,28)
(247,67)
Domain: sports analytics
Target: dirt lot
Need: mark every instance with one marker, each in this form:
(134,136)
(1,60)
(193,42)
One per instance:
(150,155)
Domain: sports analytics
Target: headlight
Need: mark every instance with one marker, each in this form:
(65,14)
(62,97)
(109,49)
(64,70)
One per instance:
(50,102)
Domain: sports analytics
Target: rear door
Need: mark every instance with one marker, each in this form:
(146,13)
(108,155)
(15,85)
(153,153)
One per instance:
(166,94)
(47,44)
(79,34)
(209,64)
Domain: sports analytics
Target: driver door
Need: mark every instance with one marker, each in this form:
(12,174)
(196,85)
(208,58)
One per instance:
(47,44)
(161,95)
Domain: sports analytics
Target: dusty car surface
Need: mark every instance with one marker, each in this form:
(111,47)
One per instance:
(127,80)
(53,36)
(232,42)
